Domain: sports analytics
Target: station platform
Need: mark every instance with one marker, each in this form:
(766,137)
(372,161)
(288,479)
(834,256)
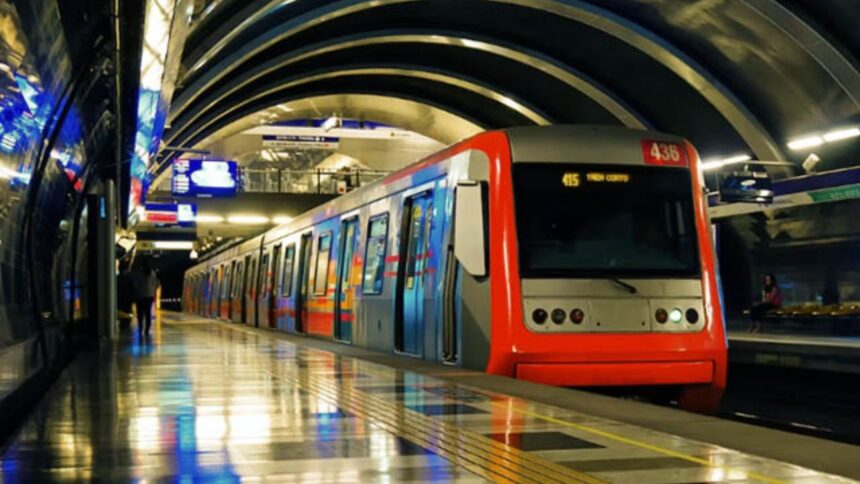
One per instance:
(811,352)
(207,401)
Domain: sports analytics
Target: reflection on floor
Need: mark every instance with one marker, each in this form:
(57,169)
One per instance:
(205,401)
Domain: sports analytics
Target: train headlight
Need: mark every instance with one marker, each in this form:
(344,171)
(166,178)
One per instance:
(661,316)
(558,316)
(539,316)
(577,316)
(675,315)
(692,316)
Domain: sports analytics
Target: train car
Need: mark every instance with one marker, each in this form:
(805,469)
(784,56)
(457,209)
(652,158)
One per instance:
(564,255)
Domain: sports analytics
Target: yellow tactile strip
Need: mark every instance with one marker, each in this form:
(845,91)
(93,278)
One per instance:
(480,455)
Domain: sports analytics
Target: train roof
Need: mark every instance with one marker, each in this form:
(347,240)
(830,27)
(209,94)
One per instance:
(532,143)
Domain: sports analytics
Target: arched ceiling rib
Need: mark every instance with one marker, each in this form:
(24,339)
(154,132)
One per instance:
(424,119)
(733,76)
(575,80)
(520,108)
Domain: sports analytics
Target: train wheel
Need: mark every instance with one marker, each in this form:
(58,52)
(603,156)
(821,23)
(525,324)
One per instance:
(701,398)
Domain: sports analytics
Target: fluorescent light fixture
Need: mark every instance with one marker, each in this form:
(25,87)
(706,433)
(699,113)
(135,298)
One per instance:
(248,219)
(804,143)
(282,219)
(173,244)
(209,219)
(840,134)
(716,164)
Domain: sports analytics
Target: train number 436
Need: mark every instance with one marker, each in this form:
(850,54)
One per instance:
(663,153)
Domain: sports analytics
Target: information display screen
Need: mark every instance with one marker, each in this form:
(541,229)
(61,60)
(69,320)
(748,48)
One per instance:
(205,178)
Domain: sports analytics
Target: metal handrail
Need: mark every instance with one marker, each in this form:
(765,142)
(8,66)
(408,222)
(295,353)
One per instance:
(276,180)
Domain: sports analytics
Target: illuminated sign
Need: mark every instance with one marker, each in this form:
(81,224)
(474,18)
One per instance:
(574,180)
(608,177)
(303,142)
(205,178)
(186,214)
(161,213)
(183,214)
(570,180)
(663,153)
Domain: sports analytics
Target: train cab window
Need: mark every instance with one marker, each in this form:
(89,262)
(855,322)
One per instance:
(322,265)
(592,220)
(374,257)
(287,275)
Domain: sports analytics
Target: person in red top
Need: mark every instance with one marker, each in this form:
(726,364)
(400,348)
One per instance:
(771,299)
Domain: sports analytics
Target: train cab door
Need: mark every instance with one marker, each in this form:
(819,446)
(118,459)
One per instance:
(304,272)
(263,292)
(273,289)
(415,250)
(343,305)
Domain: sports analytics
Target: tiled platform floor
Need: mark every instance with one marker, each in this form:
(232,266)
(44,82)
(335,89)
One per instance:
(212,402)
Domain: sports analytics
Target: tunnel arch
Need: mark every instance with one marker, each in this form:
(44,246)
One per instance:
(699,69)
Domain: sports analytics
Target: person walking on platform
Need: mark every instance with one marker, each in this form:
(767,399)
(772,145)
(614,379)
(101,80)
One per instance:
(146,286)
(771,299)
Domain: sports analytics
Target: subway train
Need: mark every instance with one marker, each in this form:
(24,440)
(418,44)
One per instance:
(566,255)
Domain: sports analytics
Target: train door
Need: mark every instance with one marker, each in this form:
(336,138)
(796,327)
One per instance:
(343,304)
(213,294)
(263,292)
(415,245)
(236,293)
(198,294)
(304,274)
(210,293)
(251,293)
(227,293)
(224,306)
(272,291)
(286,288)
(245,289)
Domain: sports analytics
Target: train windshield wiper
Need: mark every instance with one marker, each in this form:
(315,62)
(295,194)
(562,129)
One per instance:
(630,287)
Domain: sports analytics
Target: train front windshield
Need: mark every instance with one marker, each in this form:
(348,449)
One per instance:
(578,220)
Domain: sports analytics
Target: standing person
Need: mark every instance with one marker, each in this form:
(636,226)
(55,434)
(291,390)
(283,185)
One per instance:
(771,299)
(146,285)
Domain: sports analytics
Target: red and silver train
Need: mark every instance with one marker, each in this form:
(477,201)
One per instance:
(565,255)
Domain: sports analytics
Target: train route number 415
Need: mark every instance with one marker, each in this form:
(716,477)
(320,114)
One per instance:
(665,153)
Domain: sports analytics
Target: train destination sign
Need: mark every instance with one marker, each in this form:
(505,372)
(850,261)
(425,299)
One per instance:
(574,180)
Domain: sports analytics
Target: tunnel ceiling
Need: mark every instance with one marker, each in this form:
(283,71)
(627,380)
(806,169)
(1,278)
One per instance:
(734,76)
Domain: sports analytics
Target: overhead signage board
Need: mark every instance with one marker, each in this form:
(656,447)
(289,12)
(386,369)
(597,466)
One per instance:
(300,142)
(161,213)
(186,214)
(170,214)
(204,178)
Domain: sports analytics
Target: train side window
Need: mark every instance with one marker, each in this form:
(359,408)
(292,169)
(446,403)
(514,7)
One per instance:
(323,258)
(374,256)
(287,276)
